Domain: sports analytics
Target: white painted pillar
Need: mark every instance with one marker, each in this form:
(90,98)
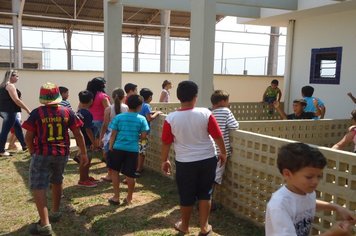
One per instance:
(165,41)
(136,53)
(273,52)
(113,13)
(17,8)
(69,49)
(202,42)
(288,66)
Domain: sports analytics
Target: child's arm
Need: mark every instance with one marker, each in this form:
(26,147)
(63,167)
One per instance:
(231,122)
(81,144)
(106,122)
(222,156)
(352,97)
(318,110)
(280,111)
(167,140)
(341,211)
(91,137)
(29,136)
(279,95)
(112,139)
(345,140)
(152,116)
(163,95)
(339,229)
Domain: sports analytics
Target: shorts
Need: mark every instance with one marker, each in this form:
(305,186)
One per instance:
(143,147)
(220,172)
(195,180)
(270,100)
(45,170)
(123,161)
(97,128)
(106,147)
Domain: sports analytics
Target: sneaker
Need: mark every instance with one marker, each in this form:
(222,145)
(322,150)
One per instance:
(12,148)
(5,154)
(54,217)
(87,183)
(37,229)
(92,179)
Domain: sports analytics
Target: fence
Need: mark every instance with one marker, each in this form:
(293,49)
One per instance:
(251,175)
(241,110)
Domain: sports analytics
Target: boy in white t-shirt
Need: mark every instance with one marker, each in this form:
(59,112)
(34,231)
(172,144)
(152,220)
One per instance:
(189,129)
(291,210)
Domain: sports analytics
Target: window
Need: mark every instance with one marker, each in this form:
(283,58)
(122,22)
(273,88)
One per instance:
(325,65)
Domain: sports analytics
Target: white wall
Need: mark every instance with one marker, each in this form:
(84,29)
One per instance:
(331,30)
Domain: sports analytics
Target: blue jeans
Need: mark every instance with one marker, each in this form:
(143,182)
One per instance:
(9,121)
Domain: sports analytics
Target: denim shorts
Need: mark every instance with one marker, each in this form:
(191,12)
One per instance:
(45,170)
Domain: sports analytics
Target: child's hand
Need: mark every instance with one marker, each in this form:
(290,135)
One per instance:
(276,104)
(340,229)
(222,159)
(346,214)
(315,102)
(166,167)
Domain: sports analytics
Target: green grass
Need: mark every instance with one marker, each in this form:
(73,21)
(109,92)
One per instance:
(87,212)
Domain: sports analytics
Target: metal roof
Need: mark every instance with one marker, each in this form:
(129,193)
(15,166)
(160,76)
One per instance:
(87,15)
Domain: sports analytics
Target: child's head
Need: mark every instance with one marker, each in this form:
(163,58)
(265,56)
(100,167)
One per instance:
(166,84)
(299,105)
(220,98)
(130,89)
(49,94)
(64,92)
(118,95)
(134,102)
(85,97)
(187,91)
(301,166)
(307,91)
(274,83)
(146,94)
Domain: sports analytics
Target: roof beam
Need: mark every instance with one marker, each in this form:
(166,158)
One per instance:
(184,5)
(276,4)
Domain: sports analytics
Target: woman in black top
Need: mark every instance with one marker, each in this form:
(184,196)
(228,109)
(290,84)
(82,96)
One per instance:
(10,104)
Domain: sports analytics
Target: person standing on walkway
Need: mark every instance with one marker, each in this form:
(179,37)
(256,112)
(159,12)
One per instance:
(10,104)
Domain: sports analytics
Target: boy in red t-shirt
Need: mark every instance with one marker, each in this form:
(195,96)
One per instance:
(48,142)
(190,128)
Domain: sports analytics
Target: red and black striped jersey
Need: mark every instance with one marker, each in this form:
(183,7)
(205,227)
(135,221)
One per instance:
(50,125)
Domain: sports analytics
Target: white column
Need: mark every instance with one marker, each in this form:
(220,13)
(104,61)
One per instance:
(69,49)
(273,51)
(113,13)
(165,41)
(202,42)
(288,66)
(17,8)
(136,53)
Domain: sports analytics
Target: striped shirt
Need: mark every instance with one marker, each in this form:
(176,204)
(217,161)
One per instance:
(129,126)
(65,103)
(50,125)
(227,122)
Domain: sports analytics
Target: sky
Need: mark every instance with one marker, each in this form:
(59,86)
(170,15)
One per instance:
(234,51)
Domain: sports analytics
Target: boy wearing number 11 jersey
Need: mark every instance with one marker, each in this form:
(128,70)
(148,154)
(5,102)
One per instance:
(48,142)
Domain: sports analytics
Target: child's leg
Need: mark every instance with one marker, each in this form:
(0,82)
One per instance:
(116,185)
(40,198)
(141,160)
(186,212)
(130,188)
(56,196)
(204,212)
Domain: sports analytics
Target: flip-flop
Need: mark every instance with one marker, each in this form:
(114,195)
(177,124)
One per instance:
(177,228)
(112,202)
(106,180)
(125,202)
(209,233)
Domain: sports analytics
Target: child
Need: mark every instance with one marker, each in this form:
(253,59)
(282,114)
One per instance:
(189,128)
(149,115)
(123,147)
(270,95)
(298,110)
(48,142)
(65,94)
(292,208)
(85,101)
(118,107)
(130,89)
(166,86)
(12,140)
(307,93)
(227,122)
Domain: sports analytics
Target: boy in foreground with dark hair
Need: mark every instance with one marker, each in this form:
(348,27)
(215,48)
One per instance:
(291,209)
(130,89)
(48,142)
(190,128)
(127,129)
(298,110)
